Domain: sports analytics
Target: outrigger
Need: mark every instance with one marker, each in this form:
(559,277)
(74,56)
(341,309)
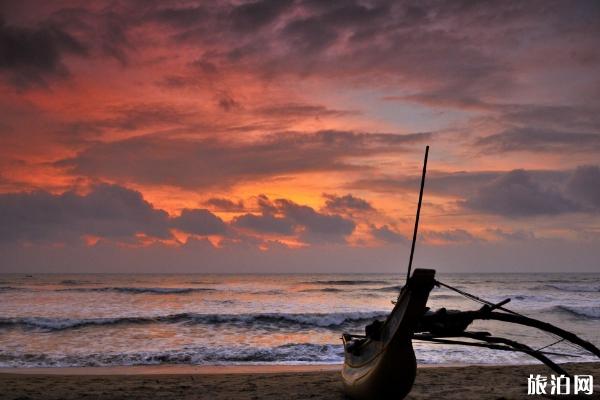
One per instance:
(382,363)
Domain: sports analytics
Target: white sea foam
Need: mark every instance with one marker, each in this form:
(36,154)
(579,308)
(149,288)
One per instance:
(282,320)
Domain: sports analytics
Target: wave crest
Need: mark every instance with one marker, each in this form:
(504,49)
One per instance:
(295,353)
(570,288)
(256,321)
(580,312)
(347,282)
(139,290)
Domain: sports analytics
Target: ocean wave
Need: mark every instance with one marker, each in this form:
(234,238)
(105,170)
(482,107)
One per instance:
(74,282)
(395,289)
(347,282)
(587,312)
(326,290)
(531,298)
(254,321)
(273,292)
(9,289)
(290,353)
(436,296)
(569,288)
(138,290)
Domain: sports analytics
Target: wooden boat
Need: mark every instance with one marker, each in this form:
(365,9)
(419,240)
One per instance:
(383,362)
(382,365)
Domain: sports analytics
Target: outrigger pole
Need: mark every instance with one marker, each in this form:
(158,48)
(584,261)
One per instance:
(414,239)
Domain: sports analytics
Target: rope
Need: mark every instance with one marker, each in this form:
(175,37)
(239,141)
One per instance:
(551,344)
(477,299)
(482,301)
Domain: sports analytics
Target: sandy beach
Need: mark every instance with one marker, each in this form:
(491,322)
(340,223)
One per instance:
(258,382)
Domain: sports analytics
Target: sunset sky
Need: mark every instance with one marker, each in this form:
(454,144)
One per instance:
(288,136)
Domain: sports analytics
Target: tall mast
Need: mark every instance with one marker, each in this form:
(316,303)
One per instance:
(414,239)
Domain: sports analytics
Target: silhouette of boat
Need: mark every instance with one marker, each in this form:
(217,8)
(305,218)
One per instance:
(382,365)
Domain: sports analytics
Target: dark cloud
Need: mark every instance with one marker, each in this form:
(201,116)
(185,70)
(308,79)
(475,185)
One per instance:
(439,48)
(122,215)
(114,40)
(221,204)
(458,184)
(451,235)
(265,223)
(212,162)
(518,194)
(181,17)
(228,103)
(308,36)
(138,116)
(253,15)
(522,193)
(199,222)
(105,30)
(346,204)
(584,185)
(318,227)
(418,44)
(31,56)
(300,110)
(265,205)
(204,66)
(518,235)
(533,140)
(385,234)
(107,211)
(553,118)
(283,216)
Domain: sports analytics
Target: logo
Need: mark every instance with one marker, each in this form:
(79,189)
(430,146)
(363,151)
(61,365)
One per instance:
(559,385)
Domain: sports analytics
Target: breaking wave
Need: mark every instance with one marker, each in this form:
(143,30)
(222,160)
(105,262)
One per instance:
(395,289)
(581,312)
(139,290)
(347,282)
(73,282)
(9,289)
(570,288)
(444,296)
(326,290)
(294,353)
(255,321)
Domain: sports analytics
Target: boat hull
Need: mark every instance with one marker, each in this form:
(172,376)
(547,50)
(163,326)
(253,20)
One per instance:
(385,368)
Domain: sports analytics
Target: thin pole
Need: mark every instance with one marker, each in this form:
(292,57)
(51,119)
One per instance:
(414,239)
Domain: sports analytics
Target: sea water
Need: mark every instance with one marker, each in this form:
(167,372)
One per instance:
(109,320)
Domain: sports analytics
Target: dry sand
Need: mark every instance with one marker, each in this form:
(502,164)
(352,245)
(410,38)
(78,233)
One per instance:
(466,382)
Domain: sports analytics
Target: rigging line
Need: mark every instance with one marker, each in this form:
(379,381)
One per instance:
(482,301)
(475,298)
(551,344)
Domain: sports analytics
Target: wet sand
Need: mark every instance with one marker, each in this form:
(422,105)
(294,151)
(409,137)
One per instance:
(258,382)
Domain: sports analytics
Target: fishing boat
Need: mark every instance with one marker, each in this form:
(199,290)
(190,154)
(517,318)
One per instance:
(381,364)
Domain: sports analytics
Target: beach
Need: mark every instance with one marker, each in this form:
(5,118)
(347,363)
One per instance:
(263,382)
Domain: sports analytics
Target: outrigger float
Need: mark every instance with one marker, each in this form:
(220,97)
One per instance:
(382,364)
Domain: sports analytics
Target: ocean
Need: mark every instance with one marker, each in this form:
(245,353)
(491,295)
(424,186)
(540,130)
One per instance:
(113,320)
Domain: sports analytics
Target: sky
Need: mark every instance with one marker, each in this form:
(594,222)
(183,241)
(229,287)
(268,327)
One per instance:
(288,135)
